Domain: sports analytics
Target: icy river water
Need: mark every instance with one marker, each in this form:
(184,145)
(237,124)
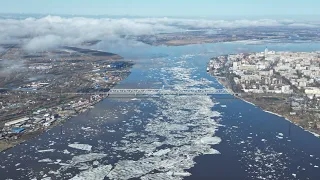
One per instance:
(171,137)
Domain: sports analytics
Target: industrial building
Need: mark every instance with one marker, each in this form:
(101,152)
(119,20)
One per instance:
(14,122)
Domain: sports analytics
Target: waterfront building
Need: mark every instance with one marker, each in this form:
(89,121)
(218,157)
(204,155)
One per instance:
(17,130)
(11,123)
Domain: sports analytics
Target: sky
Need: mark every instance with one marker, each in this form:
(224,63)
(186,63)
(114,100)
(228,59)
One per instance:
(166,8)
(53,28)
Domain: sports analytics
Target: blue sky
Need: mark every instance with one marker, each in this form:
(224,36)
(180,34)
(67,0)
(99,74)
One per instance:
(188,8)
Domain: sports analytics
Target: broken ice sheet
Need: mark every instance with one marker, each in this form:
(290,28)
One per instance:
(180,129)
(87,157)
(160,176)
(212,151)
(98,173)
(160,152)
(80,160)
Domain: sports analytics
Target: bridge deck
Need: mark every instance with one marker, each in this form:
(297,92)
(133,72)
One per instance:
(168,92)
(120,92)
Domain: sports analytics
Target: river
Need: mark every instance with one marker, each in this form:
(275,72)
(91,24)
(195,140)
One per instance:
(171,137)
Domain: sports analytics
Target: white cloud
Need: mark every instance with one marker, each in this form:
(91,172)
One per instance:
(43,42)
(52,31)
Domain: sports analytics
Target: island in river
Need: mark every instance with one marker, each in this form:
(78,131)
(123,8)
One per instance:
(42,89)
(284,83)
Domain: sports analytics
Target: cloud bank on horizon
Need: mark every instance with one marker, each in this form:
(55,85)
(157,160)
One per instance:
(54,31)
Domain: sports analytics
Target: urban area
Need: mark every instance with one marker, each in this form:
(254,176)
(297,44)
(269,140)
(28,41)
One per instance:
(43,89)
(285,83)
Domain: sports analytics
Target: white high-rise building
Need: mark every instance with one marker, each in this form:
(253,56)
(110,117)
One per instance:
(235,66)
(266,51)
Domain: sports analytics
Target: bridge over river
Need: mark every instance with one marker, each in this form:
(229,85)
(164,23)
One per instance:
(136,92)
(146,92)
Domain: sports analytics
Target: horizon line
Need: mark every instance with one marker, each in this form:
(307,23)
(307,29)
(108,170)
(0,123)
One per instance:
(164,16)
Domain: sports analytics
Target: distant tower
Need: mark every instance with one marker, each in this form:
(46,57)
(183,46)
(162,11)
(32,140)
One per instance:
(266,52)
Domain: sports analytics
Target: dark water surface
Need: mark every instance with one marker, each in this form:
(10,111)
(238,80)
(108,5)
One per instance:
(153,138)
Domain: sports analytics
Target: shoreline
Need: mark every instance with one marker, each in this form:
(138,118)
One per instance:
(316,134)
(4,146)
(246,41)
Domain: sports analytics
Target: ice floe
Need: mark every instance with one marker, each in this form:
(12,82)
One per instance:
(66,151)
(46,150)
(212,151)
(98,173)
(87,129)
(159,176)
(161,152)
(46,178)
(87,157)
(47,160)
(210,140)
(131,169)
(84,147)
(182,174)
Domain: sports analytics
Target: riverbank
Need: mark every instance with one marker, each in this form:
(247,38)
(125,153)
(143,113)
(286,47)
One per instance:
(17,139)
(274,104)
